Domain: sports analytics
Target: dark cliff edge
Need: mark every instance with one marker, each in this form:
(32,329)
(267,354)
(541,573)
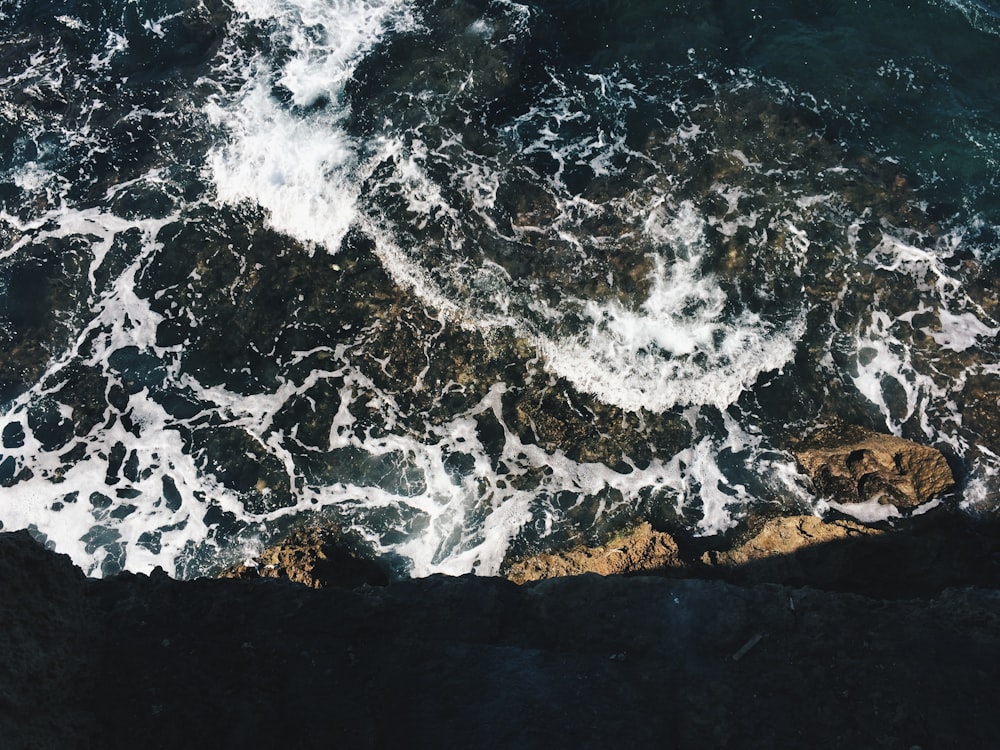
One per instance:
(579,661)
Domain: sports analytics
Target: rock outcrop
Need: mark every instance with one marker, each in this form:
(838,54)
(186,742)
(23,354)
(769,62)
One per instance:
(837,555)
(584,662)
(850,464)
(315,556)
(640,550)
(782,537)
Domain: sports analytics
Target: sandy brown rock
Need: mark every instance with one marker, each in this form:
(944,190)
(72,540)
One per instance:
(789,550)
(314,556)
(800,550)
(787,536)
(645,550)
(642,549)
(851,465)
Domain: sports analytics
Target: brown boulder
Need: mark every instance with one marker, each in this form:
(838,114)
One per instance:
(851,464)
(641,549)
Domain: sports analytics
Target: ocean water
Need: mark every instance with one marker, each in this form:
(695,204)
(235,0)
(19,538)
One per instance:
(473,279)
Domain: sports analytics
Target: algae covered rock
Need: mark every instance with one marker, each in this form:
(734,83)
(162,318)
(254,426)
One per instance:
(851,464)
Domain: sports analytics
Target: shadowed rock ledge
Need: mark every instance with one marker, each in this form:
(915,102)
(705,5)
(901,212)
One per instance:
(582,661)
(930,555)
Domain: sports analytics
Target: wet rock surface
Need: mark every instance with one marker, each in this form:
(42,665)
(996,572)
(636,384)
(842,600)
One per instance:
(851,464)
(585,661)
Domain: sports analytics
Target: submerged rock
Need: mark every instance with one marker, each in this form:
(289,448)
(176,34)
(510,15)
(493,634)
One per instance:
(851,464)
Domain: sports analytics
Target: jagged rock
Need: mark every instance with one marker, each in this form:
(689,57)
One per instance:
(641,549)
(314,556)
(777,553)
(836,555)
(851,464)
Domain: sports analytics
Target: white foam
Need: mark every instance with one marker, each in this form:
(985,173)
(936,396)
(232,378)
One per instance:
(114,44)
(155,27)
(298,171)
(119,319)
(892,70)
(71,22)
(880,359)
(979,15)
(982,489)
(889,358)
(960,332)
(678,347)
(871,511)
(923,265)
(469,528)
(297,163)
(696,476)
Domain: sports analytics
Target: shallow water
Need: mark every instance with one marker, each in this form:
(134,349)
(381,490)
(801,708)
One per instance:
(477,278)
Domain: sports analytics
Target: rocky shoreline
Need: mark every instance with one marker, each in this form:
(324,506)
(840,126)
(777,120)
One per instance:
(849,465)
(795,630)
(930,555)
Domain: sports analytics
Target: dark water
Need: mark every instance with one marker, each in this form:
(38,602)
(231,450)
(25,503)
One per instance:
(472,278)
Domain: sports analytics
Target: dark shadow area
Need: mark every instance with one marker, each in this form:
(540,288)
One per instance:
(923,557)
(577,662)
